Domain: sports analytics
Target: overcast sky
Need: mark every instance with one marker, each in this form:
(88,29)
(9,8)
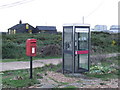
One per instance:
(57,12)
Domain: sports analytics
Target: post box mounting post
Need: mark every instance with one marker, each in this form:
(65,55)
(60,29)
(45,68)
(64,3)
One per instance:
(31,67)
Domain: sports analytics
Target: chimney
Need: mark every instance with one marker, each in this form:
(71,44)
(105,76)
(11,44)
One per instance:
(20,22)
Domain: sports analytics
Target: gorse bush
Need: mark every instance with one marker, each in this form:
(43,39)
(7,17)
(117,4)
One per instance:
(102,42)
(13,46)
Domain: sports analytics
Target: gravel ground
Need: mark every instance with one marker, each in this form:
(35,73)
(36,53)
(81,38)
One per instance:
(53,79)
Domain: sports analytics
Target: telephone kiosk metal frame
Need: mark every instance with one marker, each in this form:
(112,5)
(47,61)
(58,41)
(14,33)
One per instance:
(76,48)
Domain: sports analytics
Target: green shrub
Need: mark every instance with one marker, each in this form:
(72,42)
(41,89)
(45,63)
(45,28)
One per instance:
(13,46)
(99,69)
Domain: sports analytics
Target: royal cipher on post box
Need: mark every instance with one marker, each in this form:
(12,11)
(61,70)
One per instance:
(31,47)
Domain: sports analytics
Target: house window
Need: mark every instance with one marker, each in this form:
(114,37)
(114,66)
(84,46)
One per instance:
(14,32)
(43,31)
(30,31)
(27,26)
(11,31)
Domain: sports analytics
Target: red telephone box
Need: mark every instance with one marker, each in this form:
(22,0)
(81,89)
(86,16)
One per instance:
(31,47)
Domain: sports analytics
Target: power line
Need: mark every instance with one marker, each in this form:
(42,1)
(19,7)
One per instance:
(14,4)
(94,10)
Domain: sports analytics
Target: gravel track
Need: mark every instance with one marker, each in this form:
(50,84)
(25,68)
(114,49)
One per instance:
(40,63)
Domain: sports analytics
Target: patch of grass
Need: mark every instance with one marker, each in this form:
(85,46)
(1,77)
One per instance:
(70,86)
(79,81)
(102,83)
(64,83)
(13,60)
(10,78)
(51,67)
(64,88)
(114,60)
(9,83)
(47,57)
(28,59)
(103,76)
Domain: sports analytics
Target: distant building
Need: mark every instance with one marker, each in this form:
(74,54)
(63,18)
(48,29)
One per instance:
(114,29)
(3,33)
(100,28)
(22,28)
(46,29)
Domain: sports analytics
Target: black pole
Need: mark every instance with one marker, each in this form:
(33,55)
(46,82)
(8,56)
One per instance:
(30,67)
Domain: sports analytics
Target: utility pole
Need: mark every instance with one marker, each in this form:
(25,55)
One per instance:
(83,19)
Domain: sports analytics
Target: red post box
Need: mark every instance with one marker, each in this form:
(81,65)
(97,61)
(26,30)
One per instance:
(31,47)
